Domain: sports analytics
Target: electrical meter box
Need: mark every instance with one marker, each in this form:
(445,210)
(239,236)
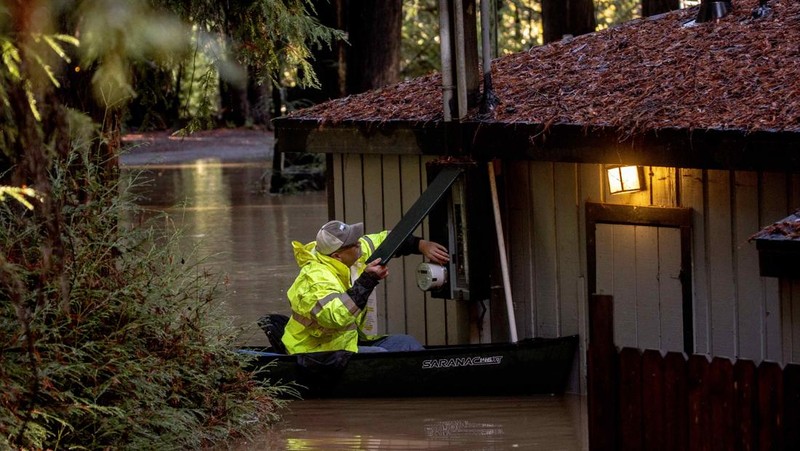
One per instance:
(463,222)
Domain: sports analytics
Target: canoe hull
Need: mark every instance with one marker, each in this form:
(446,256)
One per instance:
(534,366)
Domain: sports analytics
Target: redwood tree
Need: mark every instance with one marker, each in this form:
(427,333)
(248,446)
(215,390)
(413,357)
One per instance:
(567,17)
(653,7)
(373,58)
(370,60)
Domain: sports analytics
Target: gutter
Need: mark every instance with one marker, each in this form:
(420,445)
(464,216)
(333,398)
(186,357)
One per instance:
(748,150)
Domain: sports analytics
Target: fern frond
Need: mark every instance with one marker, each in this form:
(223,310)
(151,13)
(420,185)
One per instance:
(20,195)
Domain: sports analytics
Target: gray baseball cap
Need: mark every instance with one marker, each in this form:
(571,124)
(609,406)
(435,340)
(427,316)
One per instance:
(335,235)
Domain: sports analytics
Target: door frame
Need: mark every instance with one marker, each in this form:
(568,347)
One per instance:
(673,217)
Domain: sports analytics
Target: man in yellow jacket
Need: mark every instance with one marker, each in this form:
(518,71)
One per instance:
(329,296)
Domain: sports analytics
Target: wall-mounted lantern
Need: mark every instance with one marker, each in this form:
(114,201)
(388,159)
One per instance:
(625,179)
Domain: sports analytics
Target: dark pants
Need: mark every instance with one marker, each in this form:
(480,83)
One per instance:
(398,342)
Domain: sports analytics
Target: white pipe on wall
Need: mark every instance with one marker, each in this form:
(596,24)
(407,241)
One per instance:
(501,243)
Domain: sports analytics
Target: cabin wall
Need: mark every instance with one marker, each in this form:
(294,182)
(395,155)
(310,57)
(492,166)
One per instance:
(790,320)
(736,312)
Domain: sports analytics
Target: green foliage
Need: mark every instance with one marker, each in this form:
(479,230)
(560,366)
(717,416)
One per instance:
(420,38)
(242,41)
(128,347)
(613,12)
(20,194)
(107,338)
(517,27)
(41,48)
(276,37)
(114,33)
(199,83)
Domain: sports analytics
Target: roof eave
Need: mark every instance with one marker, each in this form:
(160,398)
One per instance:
(366,137)
(671,147)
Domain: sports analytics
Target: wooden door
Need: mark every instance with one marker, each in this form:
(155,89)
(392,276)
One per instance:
(640,266)
(642,257)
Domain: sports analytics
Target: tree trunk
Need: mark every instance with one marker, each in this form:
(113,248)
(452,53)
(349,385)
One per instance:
(234,107)
(373,58)
(328,63)
(233,95)
(653,7)
(567,17)
(259,99)
(77,92)
(370,61)
(157,104)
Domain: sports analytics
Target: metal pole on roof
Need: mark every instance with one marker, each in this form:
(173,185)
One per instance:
(489,100)
(447,59)
(485,39)
(461,61)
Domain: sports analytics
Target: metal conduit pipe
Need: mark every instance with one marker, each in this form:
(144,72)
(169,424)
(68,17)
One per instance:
(485,40)
(489,100)
(447,59)
(461,60)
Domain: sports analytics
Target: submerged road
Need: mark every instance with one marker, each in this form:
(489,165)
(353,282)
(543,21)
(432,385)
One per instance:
(223,145)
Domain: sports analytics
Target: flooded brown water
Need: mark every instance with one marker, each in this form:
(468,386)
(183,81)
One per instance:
(246,236)
(237,230)
(470,423)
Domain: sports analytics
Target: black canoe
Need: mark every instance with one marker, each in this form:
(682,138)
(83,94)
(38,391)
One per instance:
(531,366)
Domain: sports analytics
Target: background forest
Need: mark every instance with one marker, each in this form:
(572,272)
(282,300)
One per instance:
(108,339)
(382,43)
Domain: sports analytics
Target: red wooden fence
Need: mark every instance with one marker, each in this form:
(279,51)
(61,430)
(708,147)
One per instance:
(653,401)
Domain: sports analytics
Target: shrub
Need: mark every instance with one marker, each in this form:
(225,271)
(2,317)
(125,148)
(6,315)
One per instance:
(122,344)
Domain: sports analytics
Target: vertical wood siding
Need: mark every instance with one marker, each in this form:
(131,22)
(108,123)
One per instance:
(568,232)
(410,184)
(542,250)
(736,313)
(389,184)
(722,283)
(791,320)
(744,315)
(774,202)
(693,195)
(520,226)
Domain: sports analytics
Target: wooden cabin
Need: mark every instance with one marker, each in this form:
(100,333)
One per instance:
(707,113)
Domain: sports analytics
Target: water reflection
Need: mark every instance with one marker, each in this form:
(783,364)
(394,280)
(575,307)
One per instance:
(241,232)
(479,423)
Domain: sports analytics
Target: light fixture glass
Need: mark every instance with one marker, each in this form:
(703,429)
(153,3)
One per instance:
(625,179)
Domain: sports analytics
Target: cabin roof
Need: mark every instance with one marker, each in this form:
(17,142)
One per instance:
(787,229)
(662,79)
(778,247)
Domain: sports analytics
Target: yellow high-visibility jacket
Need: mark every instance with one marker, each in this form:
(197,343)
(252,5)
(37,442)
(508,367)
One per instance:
(324,318)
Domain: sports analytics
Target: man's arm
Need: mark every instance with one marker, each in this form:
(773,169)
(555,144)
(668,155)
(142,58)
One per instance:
(366,282)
